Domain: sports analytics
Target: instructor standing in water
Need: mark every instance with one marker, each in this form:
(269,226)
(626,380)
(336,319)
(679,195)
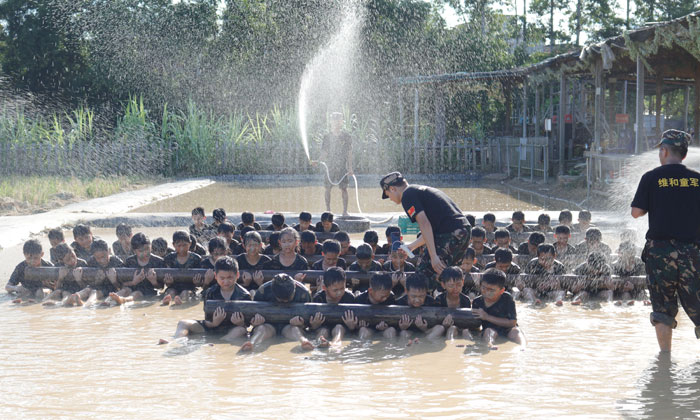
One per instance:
(444,230)
(670,194)
(336,152)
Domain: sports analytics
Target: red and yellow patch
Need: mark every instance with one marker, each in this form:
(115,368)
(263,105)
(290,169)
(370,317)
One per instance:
(411,212)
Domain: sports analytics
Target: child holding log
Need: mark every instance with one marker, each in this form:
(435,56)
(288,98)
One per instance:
(468,267)
(378,293)
(496,310)
(145,282)
(69,276)
(199,227)
(331,256)
(309,244)
(82,242)
(304,222)
(182,258)
(281,289)
(452,281)
(217,249)
(225,289)
(545,266)
(288,259)
(106,280)
(333,292)
(345,247)
(364,264)
(417,296)
(25,289)
(252,261)
(327,224)
(226,230)
(55,237)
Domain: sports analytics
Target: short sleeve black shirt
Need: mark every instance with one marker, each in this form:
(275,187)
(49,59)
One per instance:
(193,261)
(318,265)
(17,276)
(299,263)
(503,308)
(243,263)
(443,214)
(363,299)
(320,297)
(264,293)
(671,196)
(464,301)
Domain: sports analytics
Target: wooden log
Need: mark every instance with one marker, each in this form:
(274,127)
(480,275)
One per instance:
(374,314)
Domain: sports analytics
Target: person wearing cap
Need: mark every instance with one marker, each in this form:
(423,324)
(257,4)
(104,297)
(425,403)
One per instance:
(444,230)
(336,153)
(670,195)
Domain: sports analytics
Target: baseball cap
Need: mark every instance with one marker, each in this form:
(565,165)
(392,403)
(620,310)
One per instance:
(390,179)
(674,138)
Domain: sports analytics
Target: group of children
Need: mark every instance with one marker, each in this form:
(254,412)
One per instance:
(234,272)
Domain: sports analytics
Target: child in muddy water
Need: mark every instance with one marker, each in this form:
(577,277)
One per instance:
(122,246)
(145,283)
(69,277)
(55,237)
(226,289)
(333,292)
(496,310)
(182,258)
(82,243)
(106,278)
(417,296)
(32,291)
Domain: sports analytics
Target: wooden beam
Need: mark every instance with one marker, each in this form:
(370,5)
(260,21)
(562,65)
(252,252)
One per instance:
(536,116)
(597,116)
(508,109)
(640,135)
(281,313)
(560,120)
(658,102)
(524,110)
(686,105)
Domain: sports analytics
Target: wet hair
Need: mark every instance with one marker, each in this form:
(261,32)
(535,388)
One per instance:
(363,251)
(478,232)
(123,229)
(380,281)
(159,245)
(503,255)
(277,219)
(252,236)
(596,260)
(226,264)
(489,217)
(81,230)
(584,215)
(32,247)
(565,216)
(495,277)
(416,281)
(371,237)
(282,287)
(546,249)
(56,234)
(679,151)
(289,231)
(331,246)
(181,236)
(219,215)
(341,236)
(245,230)
(193,242)
(391,229)
(562,229)
(327,216)
(61,250)
(247,218)
(99,245)
(451,273)
(471,219)
(501,233)
(308,236)
(594,234)
(139,240)
(518,215)
(198,211)
(544,219)
(216,243)
(225,227)
(536,238)
(275,240)
(305,216)
(470,253)
(333,275)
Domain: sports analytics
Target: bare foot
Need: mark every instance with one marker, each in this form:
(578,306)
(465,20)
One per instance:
(307,345)
(647,302)
(34,301)
(18,300)
(618,303)
(118,299)
(104,303)
(163,341)
(177,301)
(322,342)
(538,302)
(630,303)
(247,346)
(576,302)
(166,300)
(559,303)
(77,300)
(49,303)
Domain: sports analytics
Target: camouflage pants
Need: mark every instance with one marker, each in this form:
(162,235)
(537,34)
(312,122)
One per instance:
(450,247)
(673,270)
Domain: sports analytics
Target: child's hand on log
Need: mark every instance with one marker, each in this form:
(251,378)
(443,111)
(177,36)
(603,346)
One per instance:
(316,320)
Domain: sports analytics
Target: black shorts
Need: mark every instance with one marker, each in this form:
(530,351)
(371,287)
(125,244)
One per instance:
(335,177)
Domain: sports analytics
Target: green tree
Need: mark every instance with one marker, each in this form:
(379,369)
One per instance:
(546,9)
(598,19)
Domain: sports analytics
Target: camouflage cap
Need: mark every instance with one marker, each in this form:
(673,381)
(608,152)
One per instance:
(390,179)
(674,138)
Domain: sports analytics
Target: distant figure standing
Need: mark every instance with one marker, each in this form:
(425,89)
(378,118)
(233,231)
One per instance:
(336,152)
(670,194)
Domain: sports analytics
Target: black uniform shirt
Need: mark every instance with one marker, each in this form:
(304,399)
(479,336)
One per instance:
(464,301)
(264,293)
(503,308)
(363,298)
(443,214)
(320,297)
(299,263)
(671,196)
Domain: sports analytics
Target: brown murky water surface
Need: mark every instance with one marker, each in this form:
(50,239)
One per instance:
(238,197)
(584,362)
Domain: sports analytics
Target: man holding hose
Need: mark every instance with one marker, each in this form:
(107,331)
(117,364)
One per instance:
(336,152)
(444,230)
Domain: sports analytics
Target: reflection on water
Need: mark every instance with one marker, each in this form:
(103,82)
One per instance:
(83,362)
(236,198)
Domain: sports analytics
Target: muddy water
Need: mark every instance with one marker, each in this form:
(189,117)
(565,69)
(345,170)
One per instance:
(236,197)
(88,362)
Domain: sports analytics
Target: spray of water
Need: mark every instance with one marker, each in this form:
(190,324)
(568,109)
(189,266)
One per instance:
(327,77)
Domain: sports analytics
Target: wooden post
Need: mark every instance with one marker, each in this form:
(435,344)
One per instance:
(659,97)
(560,120)
(536,116)
(416,116)
(624,103)
(597,120)
(640,135)
(612,94)
(686,104)
(572,111)
(550,138)
(524,113)
(508,110)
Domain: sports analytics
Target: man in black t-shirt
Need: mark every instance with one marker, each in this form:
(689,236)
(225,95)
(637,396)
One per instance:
(444,230)
(336,152)
(670,194)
